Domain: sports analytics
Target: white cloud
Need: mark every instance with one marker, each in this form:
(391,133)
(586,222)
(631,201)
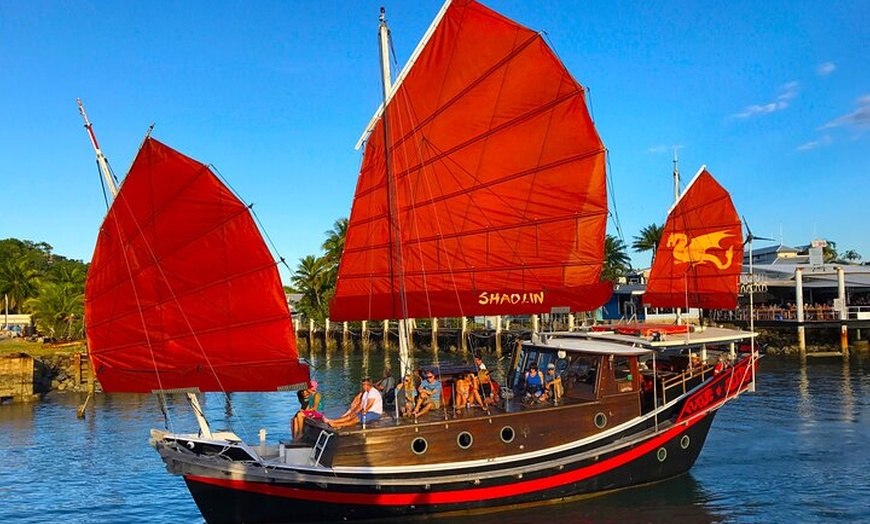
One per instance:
(664,149)
(787,93)
(825,140)
(826,69)
(859,118)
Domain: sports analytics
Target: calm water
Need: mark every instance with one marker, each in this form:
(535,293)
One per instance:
(798,450)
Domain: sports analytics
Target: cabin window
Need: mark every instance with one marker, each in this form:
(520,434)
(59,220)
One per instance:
(464,440)
(622,371)
(526,360)
(580,375)
(685,441)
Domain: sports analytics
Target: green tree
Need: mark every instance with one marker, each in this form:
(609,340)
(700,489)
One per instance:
(312,280)
(334,243)
(616,260)
(64,270)
(59,310)
(19,281)
(852,256)
(829,252)
(648,240)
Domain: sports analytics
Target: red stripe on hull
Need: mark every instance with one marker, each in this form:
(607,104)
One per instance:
(454,496)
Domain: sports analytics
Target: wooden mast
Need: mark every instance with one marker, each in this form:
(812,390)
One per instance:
(392,205)
(101,159)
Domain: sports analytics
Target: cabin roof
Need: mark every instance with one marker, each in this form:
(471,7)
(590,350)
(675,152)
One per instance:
(598,339)
(576,344)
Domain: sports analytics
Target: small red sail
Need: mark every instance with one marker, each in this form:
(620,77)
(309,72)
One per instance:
(700,255)
(490,195)
(182,291)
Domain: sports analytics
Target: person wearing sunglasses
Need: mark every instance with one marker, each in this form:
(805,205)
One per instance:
(429,395)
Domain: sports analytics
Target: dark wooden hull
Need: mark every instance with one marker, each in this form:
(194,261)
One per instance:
(225,500)
(231,483)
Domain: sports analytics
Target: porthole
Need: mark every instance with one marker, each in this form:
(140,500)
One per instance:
(662,454)
(464,440)
(600,420)
(507,434)
(685,441)
(419,445)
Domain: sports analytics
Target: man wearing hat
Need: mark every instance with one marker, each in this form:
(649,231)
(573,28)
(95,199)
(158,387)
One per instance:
(553,385)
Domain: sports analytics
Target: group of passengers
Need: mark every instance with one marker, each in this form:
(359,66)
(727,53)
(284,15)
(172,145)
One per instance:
(415,398)
(539,388)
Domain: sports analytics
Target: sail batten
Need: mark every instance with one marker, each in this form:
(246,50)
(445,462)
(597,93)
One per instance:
(182,292)
(700,255)
(496,183)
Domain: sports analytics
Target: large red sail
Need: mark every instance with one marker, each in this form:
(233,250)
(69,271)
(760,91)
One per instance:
(494,177)
(182,292)
(700,255)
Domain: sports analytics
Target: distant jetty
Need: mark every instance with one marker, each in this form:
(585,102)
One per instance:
(29,370)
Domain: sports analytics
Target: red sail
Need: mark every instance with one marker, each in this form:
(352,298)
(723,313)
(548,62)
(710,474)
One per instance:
(494,177)
(182,292)
(700,255)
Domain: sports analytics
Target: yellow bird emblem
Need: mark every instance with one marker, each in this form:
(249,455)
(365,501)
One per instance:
(696,251)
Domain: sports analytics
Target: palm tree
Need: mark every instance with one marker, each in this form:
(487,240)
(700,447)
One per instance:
(616,261)
(19,280)
(59,309)
(829,252)
(312,280)
(852,256)
(334,243)
(68,271)
(648,240)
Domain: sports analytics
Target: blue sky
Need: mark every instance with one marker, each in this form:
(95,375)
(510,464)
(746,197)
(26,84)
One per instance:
(774,97)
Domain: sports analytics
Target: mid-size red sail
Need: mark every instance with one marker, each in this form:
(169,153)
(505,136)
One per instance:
(700,255)
(182,291)
(486,192)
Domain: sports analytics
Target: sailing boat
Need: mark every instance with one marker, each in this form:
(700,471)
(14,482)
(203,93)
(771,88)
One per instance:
(482,191)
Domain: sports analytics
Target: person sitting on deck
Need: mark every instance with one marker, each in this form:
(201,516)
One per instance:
(386,385)
(474,397)
(406,394)
(534,382)
(462,389)
(483,385)
(311,402)
(552,385)
(368,406)
(429,395)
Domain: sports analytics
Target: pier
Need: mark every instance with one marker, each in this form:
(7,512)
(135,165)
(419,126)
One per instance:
(459,334)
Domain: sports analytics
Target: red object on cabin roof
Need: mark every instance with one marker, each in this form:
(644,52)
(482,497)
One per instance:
(492,184)
(182,292)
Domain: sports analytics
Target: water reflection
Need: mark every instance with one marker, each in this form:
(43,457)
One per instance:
(848,405)
(805,403)
(796,451)
(681,500)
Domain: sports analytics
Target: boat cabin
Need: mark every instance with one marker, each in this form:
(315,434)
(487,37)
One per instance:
(588,370)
